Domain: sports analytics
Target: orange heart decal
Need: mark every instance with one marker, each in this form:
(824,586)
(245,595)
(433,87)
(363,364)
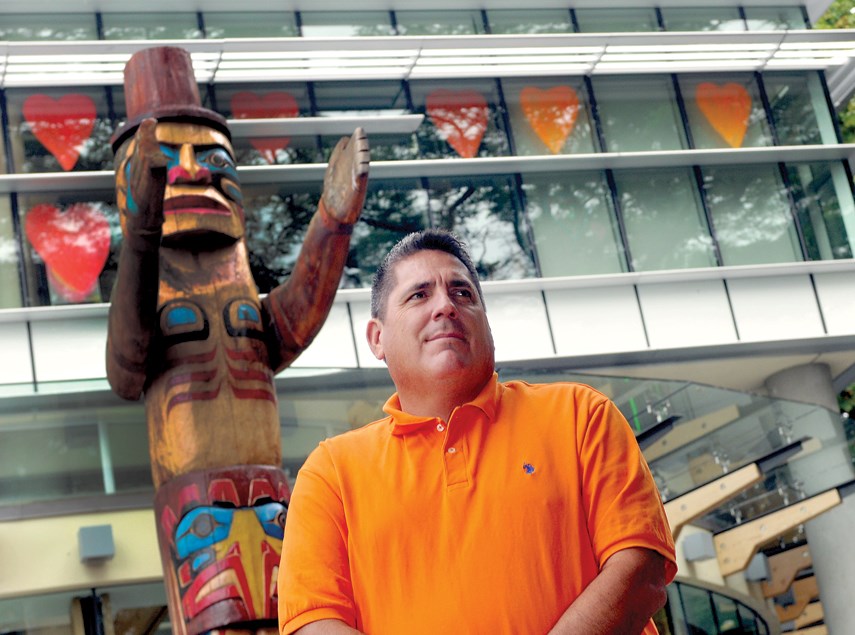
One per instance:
(460,118)
(61,125)
(249,105)
(727,108)
(74,245)
(551,113)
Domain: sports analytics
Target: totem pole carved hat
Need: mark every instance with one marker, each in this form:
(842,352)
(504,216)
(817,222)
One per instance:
(159,83)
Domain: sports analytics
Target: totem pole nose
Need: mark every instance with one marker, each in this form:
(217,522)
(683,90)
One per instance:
(188,169)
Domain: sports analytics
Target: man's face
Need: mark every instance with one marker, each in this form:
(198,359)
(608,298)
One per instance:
(433,326)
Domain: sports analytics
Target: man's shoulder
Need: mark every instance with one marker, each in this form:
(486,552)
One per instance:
(363,435)
(553,390)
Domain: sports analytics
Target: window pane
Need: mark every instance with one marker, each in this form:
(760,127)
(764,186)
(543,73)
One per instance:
(439,22)
(60,461)
(220,24)
(344,24)
(263,101)
(751,215)
(392,210)
(799,108)
(71,246)
(463,118)
(276,221)
(726,112)
(775,18)
(549,115)
(574,225)
(151,26)
(749,620)
(665,223)
(367,99)
(824,207)
(616,20)
(639,113)
(702,19)
(728,618)
(10,282)
(484,212)
(698,610)
(531,21)
(48,26)
(60,129)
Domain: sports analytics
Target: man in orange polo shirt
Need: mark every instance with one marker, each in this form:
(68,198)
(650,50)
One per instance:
(475,506)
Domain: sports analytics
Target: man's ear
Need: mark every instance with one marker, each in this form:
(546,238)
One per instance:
(373,335)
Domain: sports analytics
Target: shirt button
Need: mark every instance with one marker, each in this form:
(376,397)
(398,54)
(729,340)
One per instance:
(440,427)
(452,450)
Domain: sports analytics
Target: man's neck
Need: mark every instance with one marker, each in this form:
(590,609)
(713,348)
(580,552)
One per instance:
(438,401)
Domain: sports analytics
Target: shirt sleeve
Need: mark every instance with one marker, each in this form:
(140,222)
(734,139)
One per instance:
(623,504)
(314,573)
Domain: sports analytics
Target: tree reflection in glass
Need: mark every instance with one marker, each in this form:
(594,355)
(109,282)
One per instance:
(751,214)
(575,229)
(664,219)
(486,214)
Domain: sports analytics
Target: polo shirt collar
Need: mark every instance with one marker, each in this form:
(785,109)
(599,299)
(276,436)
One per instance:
(487,401)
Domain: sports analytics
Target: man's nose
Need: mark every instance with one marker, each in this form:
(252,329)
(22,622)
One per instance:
(188,169)
(443,305)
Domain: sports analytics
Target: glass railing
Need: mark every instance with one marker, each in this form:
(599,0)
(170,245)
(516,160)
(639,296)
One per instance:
(699,609)
(82,443)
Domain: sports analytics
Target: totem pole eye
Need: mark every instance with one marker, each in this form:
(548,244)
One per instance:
(281,517)
(203,525)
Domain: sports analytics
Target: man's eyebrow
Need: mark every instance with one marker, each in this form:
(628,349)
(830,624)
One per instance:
(417,286)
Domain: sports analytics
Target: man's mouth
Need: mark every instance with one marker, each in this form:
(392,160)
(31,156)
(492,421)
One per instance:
(193,204)
(454,335)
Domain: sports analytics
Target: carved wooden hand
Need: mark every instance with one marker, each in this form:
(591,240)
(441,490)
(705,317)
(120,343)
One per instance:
(146,176)
(346,178)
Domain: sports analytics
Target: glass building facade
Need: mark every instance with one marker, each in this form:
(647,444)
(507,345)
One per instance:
(690,185)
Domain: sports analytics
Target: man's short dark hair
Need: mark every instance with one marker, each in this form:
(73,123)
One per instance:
(425,240)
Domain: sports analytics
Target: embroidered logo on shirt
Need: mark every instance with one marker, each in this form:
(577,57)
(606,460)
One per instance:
(528,468)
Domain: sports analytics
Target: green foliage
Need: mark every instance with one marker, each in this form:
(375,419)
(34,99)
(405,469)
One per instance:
(839,15)
(847,122)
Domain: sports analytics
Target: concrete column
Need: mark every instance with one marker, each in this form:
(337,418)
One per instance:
(809,383)
(830,536)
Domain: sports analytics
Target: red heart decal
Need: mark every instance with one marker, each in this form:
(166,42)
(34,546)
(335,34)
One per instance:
(61,125)
(249,105)
(551,113)
(74,245)
(727,109)
(460,118)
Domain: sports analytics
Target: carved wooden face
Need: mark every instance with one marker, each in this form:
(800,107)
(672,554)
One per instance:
(221,535)
(202,187)
(203,199)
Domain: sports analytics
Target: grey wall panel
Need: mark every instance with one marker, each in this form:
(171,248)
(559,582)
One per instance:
(694,313)
(333,347)
(836,292)
(775,307)
(15,344)
(70,349)
(588,321)
(520,326)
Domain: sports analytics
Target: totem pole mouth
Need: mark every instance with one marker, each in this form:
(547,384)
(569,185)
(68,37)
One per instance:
(194,204)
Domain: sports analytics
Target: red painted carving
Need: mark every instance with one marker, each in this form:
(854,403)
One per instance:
(727,108)
(61,125)
(74,245)
(551,113)
(460,118)
(249,105)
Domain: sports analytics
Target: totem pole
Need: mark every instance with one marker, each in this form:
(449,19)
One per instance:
(188,331)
